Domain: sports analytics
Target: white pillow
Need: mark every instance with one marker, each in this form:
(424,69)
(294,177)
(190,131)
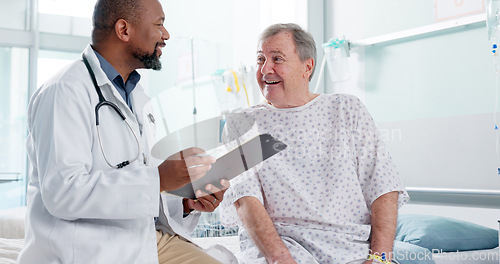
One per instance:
(12,223)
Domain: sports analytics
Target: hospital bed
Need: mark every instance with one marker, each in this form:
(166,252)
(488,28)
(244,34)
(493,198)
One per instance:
(12,234)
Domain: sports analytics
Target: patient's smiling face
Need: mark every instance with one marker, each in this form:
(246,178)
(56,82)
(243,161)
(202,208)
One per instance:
(283,78)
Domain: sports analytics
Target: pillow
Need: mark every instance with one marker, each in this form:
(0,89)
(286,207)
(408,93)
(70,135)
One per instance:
(446,234)
(12,222)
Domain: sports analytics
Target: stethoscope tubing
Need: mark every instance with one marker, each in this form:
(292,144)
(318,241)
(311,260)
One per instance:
(104,102)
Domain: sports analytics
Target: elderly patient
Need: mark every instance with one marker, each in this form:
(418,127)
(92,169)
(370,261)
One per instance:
(332,195)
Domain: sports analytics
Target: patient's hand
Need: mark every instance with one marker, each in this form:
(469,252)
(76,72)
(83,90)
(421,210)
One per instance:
(208,202)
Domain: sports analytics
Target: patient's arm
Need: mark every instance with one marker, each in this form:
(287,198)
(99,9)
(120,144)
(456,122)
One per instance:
(261,229)
(384,220)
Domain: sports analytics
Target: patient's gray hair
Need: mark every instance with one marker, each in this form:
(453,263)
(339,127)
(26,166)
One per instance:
(304,42)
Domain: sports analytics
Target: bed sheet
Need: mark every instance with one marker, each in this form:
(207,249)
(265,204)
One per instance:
(9,250)
(488,256)
(229,242)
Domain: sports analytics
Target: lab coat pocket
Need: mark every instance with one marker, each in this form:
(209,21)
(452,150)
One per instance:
(106,240)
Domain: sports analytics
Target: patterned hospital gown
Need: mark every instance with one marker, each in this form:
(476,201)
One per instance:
(319,190)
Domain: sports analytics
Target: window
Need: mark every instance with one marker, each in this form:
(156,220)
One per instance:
(50,62)
(69,17)
(13,102)
(14,14)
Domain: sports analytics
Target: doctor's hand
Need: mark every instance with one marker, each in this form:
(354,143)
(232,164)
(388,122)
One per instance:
(207,202)
(183,167)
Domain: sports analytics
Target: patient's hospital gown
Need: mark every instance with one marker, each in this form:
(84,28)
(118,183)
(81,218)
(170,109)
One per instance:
(319,190)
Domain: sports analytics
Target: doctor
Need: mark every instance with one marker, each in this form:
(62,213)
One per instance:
(94,191)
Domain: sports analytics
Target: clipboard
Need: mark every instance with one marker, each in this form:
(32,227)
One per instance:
(232,164)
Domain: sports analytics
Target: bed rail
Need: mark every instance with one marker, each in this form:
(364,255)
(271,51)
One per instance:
(10,177)
(456,197)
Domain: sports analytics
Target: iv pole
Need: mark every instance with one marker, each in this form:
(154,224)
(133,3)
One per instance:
(195,112)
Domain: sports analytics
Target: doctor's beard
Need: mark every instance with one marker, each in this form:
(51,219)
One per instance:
(150,61)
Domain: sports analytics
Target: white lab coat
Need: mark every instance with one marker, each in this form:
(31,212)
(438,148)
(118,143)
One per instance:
(80,210)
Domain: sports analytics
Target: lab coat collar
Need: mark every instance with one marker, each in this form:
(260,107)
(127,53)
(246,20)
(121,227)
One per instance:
(139,97)
(100,76)
(103,80)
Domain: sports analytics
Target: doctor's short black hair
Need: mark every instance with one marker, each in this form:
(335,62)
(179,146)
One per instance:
(107,12)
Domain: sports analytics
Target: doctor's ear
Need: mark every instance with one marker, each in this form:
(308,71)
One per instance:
(122,30)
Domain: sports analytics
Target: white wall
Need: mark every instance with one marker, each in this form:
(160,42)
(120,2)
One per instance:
(437,93)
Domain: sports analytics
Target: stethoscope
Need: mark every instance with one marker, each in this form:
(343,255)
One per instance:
(104,102)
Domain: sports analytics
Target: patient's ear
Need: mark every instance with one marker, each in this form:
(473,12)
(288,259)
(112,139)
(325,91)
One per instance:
(309,66)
